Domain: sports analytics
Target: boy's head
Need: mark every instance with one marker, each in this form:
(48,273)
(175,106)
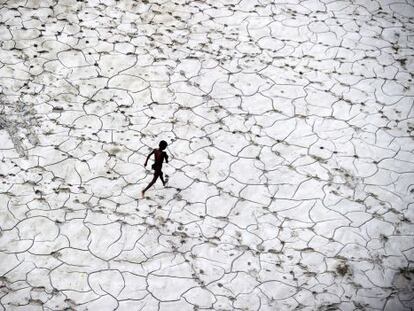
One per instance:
(163,144)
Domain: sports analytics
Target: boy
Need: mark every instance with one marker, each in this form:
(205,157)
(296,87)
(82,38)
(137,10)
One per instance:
(159,155)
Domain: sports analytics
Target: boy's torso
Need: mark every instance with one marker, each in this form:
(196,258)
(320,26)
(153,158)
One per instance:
(159,158)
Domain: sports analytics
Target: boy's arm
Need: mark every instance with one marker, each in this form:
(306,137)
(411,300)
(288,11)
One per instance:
(166,157)
(146,161)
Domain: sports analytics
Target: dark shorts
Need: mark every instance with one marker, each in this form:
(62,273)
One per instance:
(157,168)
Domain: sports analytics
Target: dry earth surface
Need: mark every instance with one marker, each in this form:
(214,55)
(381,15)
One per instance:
(291,143)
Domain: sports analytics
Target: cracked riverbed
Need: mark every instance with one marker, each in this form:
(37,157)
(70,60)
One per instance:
(290,130)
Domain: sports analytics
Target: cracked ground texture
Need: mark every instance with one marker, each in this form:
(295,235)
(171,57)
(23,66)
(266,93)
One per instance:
(290,130)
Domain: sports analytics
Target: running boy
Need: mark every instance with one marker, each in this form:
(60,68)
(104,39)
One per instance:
(159,156)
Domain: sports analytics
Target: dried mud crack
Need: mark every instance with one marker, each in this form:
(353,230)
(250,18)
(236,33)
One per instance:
(290,129)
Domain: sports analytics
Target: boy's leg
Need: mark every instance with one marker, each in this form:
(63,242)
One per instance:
(156,174)
(162,178)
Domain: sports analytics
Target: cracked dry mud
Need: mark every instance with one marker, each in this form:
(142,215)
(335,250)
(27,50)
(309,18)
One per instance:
(291,144)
